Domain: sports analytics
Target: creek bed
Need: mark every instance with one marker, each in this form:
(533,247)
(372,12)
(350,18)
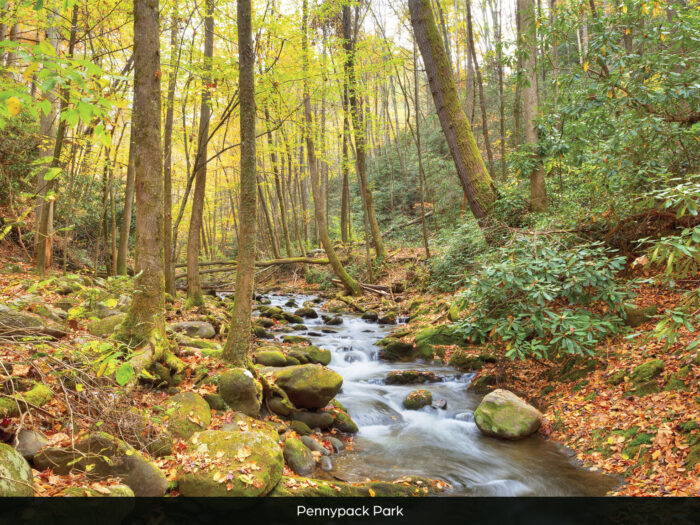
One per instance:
(434,443)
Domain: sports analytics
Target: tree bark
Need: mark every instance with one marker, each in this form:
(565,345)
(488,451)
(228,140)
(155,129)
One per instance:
(475,179)
(167,158)
(360,136)
(538,195)
(125,226)
(239,337)
(145,319)
(194,287)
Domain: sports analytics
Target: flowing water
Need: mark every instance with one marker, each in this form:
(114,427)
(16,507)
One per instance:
(441,444)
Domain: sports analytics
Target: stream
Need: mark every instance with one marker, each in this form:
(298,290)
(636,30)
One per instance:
(434,443)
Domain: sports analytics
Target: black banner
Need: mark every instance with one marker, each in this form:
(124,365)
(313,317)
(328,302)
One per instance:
(428,511)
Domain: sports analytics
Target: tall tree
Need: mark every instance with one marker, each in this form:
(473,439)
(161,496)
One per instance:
(475,179)
(352,287)
(125,226)
(194,286)
(168,154)
(358,123)
(239,336)
(145,319)
(538,194)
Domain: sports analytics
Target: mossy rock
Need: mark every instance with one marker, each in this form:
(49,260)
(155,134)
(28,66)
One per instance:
(369,315)
(298,457)
(215,401)
(215,455)
(38,395)
(280,405)
(311,354)
(453,312)
(462,361)
(504,415)
(105,327)
(240,422)
(644,389)
(308,488)
(635,316)
(617,378)
(418,399)
(241,391)
(309,386)
(344,423)
(678,380)
(393,349)
(388,318)
(161,445)
(300,428)
(103,456)
(186,414)
(314,419)
(306,312)
(293,319)
(16,478)
(113,491)
(442,335)
(270,356)
(261,333)
(295,339)
(647,371)
(693,457)
(482,384)
(194,342)
(264,322)
(411,377)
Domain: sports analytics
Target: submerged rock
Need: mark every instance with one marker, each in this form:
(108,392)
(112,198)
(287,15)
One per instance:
(418,399)
(504,415)
(410,377)
(309,386)
(230,464)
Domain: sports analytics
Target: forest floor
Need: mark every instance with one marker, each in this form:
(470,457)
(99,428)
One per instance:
(650,441)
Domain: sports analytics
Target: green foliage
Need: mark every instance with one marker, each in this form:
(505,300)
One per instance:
(679,256)
(463,246)
(541,297)
(319,276)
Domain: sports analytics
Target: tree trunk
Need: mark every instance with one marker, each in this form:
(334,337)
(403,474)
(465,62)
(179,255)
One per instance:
(44,245)
(239,336)
(420,155)
(360,135)
(194,286)
(125,226)
(538,195)
(480,85)
(145,319)
(278,188)
(167,158)
(352,287)
(475,179)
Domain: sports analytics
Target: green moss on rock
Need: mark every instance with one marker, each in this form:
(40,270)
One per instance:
(186,414)
(241,391)
(418,399)
(230,464)
(16,477)
(309,386)
(504,415)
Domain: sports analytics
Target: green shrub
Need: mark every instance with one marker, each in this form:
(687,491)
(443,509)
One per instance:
(541,297)
(318,276)
(463,247)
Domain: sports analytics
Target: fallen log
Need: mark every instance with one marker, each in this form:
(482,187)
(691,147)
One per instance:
(367,287)
(409,223)
(272,262)
(349,302)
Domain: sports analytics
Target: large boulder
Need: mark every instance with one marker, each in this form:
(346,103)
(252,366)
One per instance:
(504,415)
(394,349)
(311,354)
(105,327)
(14,323)
(309,386)
(104,456)
(270,356)
(307,312)
(298,456)
(16,477)
(241,391)
(230,464)
(187,413)
(201,329)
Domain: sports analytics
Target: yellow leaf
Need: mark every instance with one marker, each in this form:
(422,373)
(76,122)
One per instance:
(14,106)
(372,493)
(585,67)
